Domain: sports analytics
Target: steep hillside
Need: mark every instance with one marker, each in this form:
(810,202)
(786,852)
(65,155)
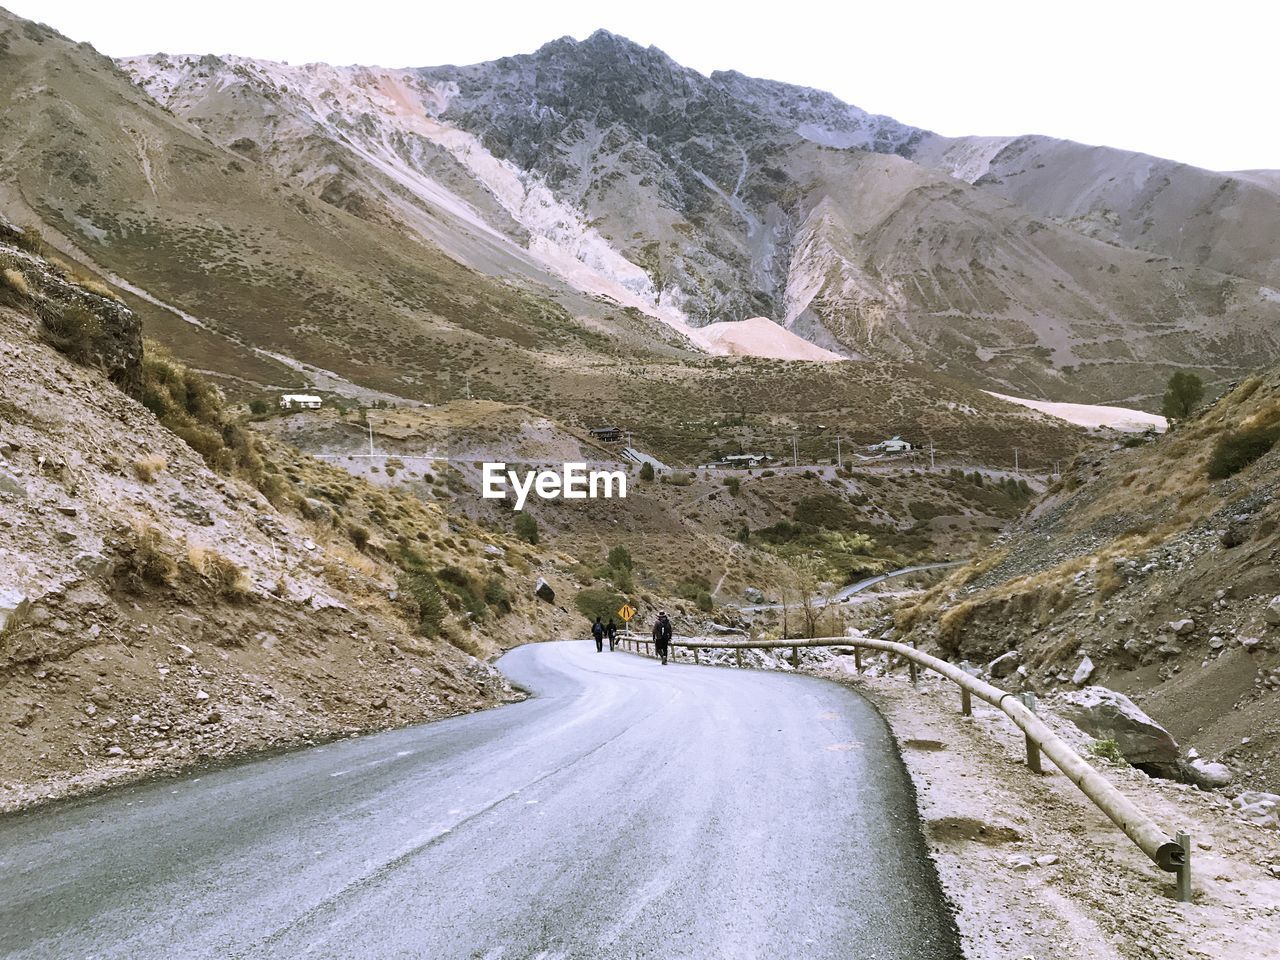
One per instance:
(1223,221)
(177,592)
(1157,562)
(721,532)
(241,269)
(713,200)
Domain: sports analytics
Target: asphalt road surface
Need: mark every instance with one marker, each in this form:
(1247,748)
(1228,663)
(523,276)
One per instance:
(628,810)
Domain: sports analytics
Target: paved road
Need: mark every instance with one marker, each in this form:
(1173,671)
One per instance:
(629,810)
(846,592)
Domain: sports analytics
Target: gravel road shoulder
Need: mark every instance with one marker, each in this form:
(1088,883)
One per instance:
(1036,872)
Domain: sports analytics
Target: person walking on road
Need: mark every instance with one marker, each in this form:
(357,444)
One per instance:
(611,631)
(661,635)
(597,631)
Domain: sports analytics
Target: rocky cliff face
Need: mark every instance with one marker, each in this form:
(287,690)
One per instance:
(91,325)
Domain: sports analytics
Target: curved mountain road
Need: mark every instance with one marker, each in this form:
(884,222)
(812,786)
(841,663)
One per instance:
(627,810)
(844,593)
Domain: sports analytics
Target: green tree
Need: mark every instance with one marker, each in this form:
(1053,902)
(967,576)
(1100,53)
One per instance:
(258,407)
(1184,392)
(526,527)
(646,471)
(620,558)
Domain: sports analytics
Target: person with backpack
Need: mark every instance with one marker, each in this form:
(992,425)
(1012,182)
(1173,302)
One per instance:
(597,631)
(661,635)
(611,631)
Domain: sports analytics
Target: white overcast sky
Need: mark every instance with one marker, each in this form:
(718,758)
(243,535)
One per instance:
(1192,81)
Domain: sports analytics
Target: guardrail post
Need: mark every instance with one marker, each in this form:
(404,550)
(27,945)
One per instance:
(737,655)
(911,665)
(1033,748)
(966,702)
(857,659)
(795,657)
(1184,869)
(695,655)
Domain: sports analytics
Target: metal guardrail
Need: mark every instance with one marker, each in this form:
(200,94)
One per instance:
(1172,855)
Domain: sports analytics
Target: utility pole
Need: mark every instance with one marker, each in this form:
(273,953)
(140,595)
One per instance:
(795,451)
(369,423)
(468,384)
(839,461)
(1015,459)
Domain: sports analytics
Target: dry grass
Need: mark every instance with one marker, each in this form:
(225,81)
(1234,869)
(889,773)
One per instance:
(223,575)
(1266,416)
(15,281)
(146,468)
(145,560)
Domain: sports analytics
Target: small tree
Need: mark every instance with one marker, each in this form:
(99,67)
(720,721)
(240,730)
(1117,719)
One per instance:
(1184,392)
(258,407)
(620,558)
(526,527)
(646,471)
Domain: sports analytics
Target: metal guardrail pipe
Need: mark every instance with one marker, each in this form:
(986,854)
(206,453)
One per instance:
(1167,853)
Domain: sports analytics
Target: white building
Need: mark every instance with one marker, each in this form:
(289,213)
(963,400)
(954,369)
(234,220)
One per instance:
(893,445)
(299,401)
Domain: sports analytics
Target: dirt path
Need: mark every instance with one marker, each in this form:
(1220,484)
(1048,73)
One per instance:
(1036,871)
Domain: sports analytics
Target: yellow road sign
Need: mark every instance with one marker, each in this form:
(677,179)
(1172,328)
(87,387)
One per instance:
(626,612)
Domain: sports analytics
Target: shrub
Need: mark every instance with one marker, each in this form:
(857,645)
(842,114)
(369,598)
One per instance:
(73,330)
(146,468)
(601,602)
(359,536)
(620,558)
(259,407)
(32,241)
(422,600)
(16,282)
(143,561)
(1108,750)
(733,484)
(496,595)
(703,602)
(222,574)
(526,527)
(646,471)
(1236,450)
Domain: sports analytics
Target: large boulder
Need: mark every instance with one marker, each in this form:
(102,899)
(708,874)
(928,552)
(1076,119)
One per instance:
(542,590)
(1107,715)
(1004,664)
(1083,672)
(1208,774)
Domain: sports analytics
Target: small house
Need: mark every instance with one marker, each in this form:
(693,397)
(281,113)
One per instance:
(893,445)
(300,401)
(607,434)
(745,460)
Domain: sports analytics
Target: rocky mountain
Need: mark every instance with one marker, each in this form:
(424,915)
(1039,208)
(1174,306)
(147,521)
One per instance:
(1032,266)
